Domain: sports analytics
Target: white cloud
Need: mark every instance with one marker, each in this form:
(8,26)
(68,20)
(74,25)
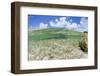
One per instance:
(59,23)
(43,26)
(56,20)
(62,18)
(83,24)
(52,23)
(72,26)
(62,22)
(84,21)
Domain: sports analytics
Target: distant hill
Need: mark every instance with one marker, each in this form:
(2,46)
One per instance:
(53,33)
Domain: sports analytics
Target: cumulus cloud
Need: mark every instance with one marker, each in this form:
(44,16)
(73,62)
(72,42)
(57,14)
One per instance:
(43,26)
(84,21)
(56,20)
(59,23)
(72,26)
(83,24)
(62,18)
(63,22)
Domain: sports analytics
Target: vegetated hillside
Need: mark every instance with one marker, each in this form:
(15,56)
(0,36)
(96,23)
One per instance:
(53,33)
(54,43)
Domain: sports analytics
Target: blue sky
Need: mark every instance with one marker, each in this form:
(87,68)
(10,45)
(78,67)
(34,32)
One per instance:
(49,21)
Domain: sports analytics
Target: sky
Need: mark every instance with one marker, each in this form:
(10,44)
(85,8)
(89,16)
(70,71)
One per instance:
(48,21)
